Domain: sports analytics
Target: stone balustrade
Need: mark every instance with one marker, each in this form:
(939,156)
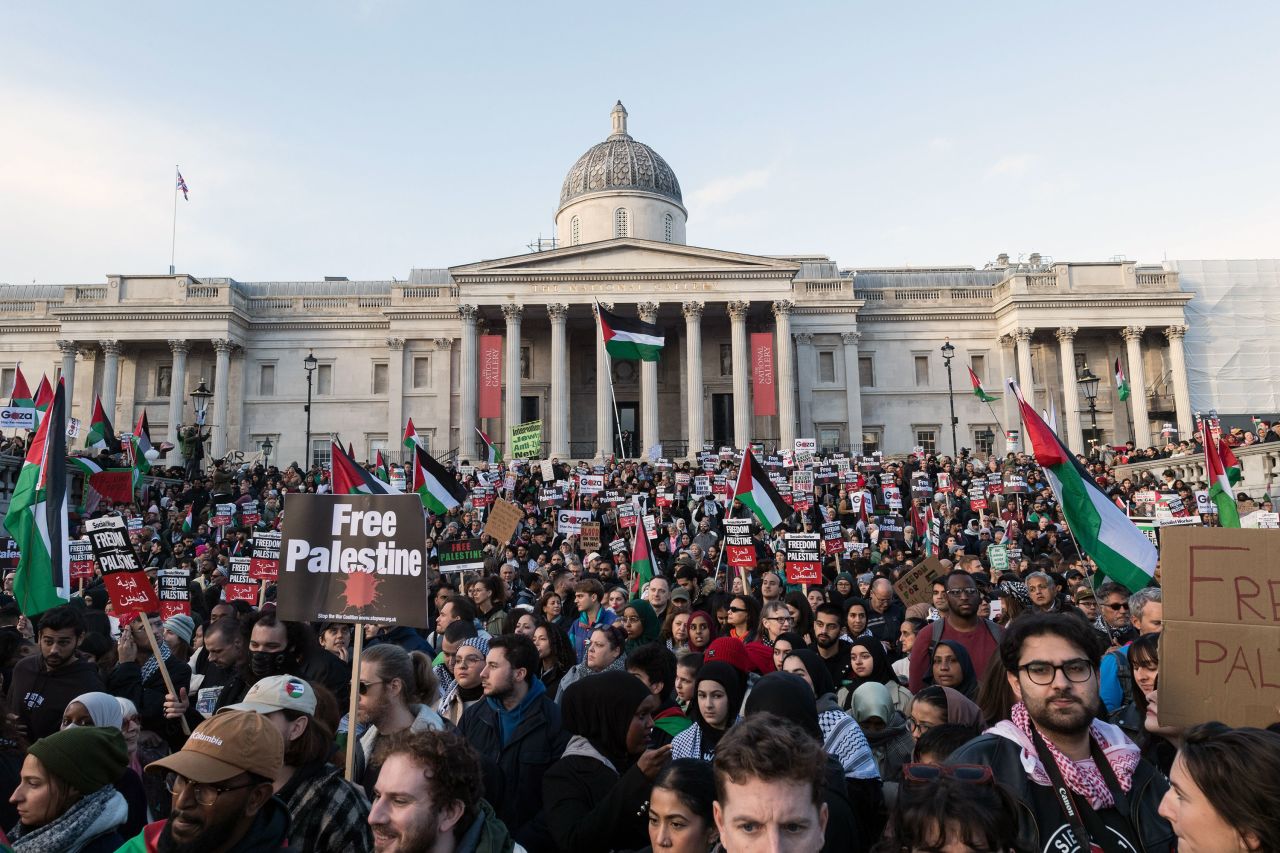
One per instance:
(1259,464)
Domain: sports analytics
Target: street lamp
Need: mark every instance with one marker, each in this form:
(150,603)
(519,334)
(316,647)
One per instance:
(267,447)
(309,364)
(200,401)
(948,353)
(1089,388)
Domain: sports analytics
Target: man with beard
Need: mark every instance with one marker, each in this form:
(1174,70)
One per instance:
(428,799)
(42,684)
(277,647)
(980,637)
(220,782)
(1082,783)
(834,651)
(224,655)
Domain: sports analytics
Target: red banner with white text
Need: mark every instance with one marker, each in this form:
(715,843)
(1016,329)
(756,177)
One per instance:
(763,397)
(490,370)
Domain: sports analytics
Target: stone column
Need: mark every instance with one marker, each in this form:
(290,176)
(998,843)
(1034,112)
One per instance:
(693,368)
(1181,391)
(222,349)
(1137,385)
(395,397)
(110,379)
(852,387)
(512,313)
(177,392)
(785,373)
(604,392)
(559,315)
(68,350)
(1011,420)
(649,435)
(1070,390)
(808,364)
(443,367)
(467,384)
(741,373)
(1023,338)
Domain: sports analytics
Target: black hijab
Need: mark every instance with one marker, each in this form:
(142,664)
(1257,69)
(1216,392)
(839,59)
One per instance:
(881,671)
(600,709)
(786,695)
(968,685)
(728,678)
(823,685)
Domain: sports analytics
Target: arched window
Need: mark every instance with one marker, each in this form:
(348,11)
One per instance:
(620,225)
(668,226)
(575,234)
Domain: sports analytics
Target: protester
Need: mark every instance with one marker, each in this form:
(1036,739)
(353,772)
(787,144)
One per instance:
(682,808)
(588,596)
(718,693)
(961,623)
(42,684)
(396,690)
(604,653)
(105,711)
(885,729)
(1146,614)
(137,677)
(640,623)
(951,667)
(465,687)
(702,630)
(951,808)
(938,706)
(868,662)
(555,653)
(655,665)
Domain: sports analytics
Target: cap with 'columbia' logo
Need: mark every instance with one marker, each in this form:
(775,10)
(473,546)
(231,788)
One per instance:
(226,745)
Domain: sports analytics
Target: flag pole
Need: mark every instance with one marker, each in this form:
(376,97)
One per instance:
(173,240)
(608,363)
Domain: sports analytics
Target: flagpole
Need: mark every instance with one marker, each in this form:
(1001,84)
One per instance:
(173,240)
(608,364)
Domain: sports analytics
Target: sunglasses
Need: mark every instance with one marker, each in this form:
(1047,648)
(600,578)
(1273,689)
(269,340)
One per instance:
(737,610)
(1116,606)
(924,774)
(365,685)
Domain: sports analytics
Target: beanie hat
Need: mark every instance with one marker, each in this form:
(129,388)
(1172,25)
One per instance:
(88,758)
(481,644)
(730,650)
(182,625)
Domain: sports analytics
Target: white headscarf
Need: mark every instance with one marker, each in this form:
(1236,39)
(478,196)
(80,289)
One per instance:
(103,709)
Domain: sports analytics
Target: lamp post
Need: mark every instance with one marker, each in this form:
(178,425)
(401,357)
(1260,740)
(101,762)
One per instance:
(267,447)
(309,364)
(1089,388)
(200,403)
(948,353)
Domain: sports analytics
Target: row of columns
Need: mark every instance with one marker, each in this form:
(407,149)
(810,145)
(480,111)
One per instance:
(1132,336)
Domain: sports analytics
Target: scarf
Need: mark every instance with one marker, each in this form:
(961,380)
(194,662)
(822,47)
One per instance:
(152,666)
(1082,777)
(94,815)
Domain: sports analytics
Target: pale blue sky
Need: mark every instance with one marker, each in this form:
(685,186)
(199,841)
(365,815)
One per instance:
(363,139)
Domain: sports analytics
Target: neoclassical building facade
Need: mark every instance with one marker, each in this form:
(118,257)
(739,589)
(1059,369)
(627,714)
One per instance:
(857,355)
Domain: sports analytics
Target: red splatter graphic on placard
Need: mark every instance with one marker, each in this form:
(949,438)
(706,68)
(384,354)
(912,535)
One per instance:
(361,590)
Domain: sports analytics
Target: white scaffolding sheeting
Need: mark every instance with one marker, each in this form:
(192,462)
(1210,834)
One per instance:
(1233,335)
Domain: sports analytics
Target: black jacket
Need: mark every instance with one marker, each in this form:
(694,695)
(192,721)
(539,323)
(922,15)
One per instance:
(39,696)
(126,682)
(1040,822)
(536,744)
(590,808)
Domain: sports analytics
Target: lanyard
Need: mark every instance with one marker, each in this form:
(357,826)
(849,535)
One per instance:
(1085,822)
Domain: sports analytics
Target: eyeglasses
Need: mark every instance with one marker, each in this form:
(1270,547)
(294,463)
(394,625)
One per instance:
(917,727)
(1121,606)
(965,592)
(976,774)
(468,661)
(204,794)
(1042,673)
(365,685)
(779,619)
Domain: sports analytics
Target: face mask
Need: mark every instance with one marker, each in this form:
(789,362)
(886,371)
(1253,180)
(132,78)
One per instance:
(263,664)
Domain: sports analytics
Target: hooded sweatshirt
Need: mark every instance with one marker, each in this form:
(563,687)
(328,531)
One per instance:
(510,720)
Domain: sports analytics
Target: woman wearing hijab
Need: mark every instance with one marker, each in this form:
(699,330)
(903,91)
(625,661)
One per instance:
(702,630)
(869,662)
(952,667)
(937,706)
(595,794)
(641,623)
(104,710)
(841,734)
(885,728)
(717,697)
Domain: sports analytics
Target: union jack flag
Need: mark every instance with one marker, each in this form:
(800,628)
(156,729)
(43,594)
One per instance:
(182,185)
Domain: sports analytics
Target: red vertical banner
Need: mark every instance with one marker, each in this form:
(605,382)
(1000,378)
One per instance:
(490,370)
(764,398)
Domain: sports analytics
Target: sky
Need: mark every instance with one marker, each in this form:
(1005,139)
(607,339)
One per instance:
(367,138)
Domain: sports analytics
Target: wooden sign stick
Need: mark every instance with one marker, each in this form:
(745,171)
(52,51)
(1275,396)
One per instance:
(355,702)
(164,670)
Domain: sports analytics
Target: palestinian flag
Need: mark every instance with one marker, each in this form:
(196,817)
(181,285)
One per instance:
(1121,551)
(189,523)
(380,468)
(641,563)
(1230,462)
(1220,491)
(115,484)
(758,494)
(629,339)
(101,434)
(1122,384)
(21,398)
(979,391)
(37,516)
(492,454)
(44,395)
(143,433)
(410,440)
(351,479)
(137,456)
(439,489)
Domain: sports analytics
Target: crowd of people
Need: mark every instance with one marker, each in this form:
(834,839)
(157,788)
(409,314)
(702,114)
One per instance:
(560,702)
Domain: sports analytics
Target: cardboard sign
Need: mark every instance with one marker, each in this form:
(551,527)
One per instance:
(127,585)
(80,553)
(264,557)
(504,519)
(832,538)
(461,555)
(916,586)
(347,558)
(569,521)
(173,592)
(739,549)
(526,440)
(804,558)
(241,586)
(1220,650)
(589,538)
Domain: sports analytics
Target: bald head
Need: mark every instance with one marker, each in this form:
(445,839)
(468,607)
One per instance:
(881,594)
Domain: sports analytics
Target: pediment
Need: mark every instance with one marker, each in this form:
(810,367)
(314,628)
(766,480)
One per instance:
(626,255)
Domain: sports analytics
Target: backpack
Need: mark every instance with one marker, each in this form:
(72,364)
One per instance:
(1124,675)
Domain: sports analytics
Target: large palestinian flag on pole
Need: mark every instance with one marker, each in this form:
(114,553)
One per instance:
(1122,384)
(1121,551)
(37,516)
(348,478)
(756,492)
(1220,491)
(628,339)
(1230,462)
(978,390)
(439,489)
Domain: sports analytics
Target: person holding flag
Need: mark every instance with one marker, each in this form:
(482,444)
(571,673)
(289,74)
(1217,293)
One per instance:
(1220,491)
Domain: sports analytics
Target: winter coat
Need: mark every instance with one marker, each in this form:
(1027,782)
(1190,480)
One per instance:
(327,811)
(590,807)
(39,696)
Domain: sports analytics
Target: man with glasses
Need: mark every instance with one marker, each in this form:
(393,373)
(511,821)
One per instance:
(1082,783)
(961,622)
(221,787)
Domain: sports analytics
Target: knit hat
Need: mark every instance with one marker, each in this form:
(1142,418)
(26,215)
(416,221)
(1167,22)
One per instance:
(182,625)
(88,758)
(731,651)
(479,643)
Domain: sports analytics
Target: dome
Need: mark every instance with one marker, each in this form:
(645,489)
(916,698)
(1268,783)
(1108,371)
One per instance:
(620,163)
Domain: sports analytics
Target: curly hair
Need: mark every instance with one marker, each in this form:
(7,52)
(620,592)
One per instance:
(449,763)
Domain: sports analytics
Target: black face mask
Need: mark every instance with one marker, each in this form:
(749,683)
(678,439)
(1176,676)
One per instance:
(263,664)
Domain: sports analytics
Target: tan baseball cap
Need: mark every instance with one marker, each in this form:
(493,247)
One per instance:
(226,745)
(277,693)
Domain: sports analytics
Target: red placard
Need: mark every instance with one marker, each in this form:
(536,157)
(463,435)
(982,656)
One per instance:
(490,371)
(763,397)
(804,572)
(130,592)
(241,592)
